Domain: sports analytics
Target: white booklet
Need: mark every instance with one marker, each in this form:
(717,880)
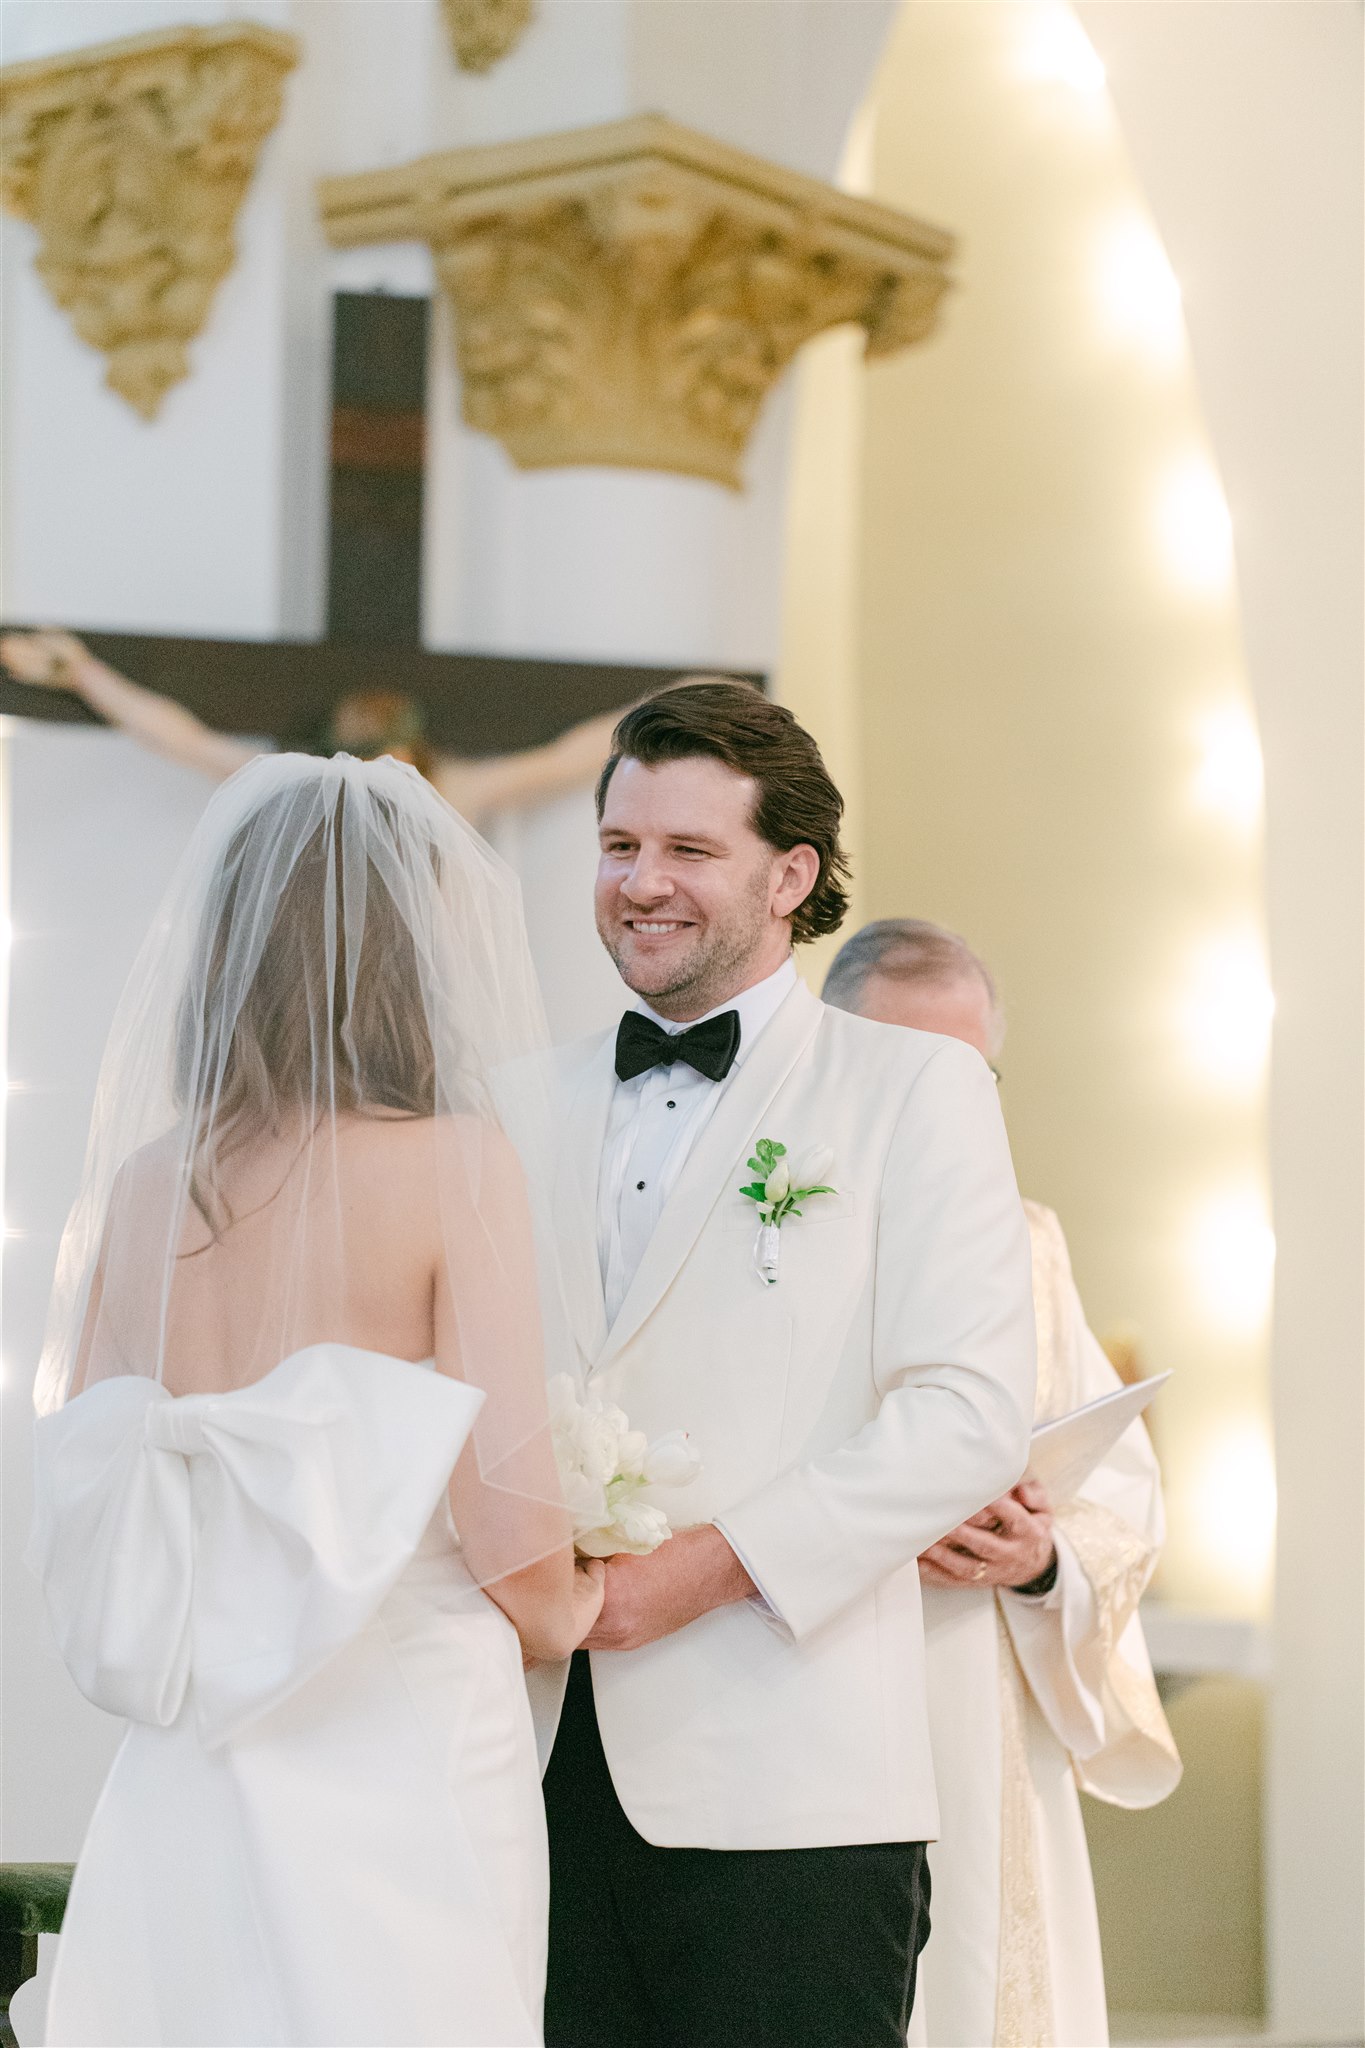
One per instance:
(1064,1453)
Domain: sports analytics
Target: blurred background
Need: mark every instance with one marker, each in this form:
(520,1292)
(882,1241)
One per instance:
(984,375)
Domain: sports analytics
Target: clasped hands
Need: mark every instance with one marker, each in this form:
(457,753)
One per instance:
(649,1597)
(1007,1544)
(637,1600)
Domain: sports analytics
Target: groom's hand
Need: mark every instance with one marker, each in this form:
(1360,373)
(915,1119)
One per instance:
(650,1597)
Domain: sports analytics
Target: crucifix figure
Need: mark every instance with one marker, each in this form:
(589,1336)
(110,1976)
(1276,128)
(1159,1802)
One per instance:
(365,723)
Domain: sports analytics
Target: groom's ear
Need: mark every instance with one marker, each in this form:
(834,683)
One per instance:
(797,874)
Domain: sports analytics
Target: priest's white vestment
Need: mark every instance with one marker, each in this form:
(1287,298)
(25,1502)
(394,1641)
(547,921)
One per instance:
(1030,1699)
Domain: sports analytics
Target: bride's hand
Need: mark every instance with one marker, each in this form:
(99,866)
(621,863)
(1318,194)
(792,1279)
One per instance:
(588,1594)
(589,1591)
(48,659)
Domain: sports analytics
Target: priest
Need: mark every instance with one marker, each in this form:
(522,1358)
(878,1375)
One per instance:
(1038,1676)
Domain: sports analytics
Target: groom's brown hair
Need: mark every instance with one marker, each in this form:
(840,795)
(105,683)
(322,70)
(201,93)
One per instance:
(797,802)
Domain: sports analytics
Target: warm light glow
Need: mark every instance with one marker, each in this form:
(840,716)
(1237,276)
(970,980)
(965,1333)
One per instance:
(1194,528)
(1054,49)
(1139,297)
(1226,1009)
(1229,781)
(1232,1253)
(1234,1506)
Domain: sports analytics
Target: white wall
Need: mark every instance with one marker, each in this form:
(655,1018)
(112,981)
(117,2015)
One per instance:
(1245,123)
(95,826)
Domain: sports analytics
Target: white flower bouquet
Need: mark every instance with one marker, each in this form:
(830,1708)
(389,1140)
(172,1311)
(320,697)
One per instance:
(608,1470)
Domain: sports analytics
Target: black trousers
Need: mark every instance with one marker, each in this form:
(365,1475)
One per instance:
(710,1948)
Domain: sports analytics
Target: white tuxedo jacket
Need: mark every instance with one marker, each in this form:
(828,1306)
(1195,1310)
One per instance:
(846,1418)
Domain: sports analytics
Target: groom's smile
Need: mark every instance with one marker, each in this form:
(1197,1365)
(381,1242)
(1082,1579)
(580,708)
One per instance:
(692,903)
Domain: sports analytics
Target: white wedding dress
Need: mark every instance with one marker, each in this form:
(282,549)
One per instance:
(324,1824)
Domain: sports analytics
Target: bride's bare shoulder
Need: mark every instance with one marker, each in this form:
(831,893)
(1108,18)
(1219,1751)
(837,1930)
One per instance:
(405,1174)
(418,1143)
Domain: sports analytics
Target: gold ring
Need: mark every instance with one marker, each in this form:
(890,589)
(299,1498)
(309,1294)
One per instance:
(980,1572)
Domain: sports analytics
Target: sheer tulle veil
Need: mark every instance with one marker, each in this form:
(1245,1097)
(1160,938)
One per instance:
(336,993)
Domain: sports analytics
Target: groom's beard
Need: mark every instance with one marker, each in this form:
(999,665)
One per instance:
(700,969)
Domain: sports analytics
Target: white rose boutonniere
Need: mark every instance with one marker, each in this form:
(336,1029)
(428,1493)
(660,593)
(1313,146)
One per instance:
(608,1470)
(780,1189)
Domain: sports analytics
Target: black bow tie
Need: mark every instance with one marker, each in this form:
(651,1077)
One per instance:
(709,1047)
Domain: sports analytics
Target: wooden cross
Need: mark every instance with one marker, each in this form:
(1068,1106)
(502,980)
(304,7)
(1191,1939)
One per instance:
(474,705)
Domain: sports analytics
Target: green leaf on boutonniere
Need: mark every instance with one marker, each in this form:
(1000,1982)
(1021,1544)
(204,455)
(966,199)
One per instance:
(776,1193)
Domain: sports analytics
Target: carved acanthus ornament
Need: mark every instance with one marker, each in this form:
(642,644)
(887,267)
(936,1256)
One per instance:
(131,160)
(629,294)
(483,31)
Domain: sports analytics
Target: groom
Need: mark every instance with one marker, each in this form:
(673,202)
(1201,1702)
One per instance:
(740,1789)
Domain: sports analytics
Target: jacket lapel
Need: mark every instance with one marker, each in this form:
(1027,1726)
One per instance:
(575,1203)
(716,1162)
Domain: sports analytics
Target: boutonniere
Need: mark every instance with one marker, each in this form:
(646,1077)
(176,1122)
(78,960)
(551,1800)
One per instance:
(780,1189)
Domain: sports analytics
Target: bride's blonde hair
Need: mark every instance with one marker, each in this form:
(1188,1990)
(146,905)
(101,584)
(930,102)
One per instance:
(270,1071)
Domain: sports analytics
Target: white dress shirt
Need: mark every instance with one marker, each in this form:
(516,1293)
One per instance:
(654,1121)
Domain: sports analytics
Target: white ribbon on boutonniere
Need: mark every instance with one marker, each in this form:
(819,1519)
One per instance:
(781,1186)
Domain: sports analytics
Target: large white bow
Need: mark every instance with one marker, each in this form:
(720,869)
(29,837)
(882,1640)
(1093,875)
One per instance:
(229,1544)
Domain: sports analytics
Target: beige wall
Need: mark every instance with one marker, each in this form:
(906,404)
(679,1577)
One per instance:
(1024,689)
(1035,677)
(1246,125)
(1207,1936)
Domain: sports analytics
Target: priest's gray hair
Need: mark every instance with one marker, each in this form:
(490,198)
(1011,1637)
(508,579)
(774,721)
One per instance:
(908,949)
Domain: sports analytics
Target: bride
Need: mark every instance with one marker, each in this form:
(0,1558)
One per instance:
(298,1520)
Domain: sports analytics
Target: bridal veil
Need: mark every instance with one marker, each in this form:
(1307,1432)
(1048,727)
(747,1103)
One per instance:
(338,950)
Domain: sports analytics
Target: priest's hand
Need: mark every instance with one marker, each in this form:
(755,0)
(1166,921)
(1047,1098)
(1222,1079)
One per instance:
(1008,1544)
(650,1597)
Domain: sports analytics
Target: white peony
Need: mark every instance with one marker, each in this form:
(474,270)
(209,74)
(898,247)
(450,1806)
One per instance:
(607,1467)
(587,1503)
(632,1454)
(600,1432)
